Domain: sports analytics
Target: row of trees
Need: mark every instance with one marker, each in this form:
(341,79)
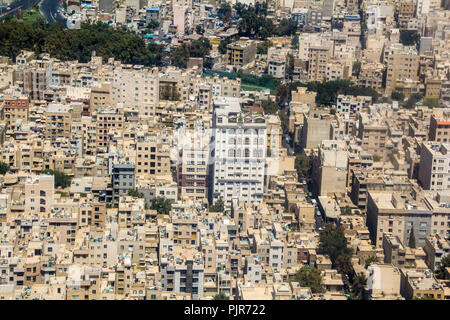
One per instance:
(76,44)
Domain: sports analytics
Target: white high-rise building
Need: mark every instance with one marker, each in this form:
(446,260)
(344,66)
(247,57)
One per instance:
(238,152)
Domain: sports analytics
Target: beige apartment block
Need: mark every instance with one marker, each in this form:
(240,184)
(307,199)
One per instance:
(318,58)
(241,53)
(401,65)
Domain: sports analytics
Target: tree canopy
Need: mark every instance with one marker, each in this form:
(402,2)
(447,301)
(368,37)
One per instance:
(197,48)
(445,263)
(75,44)
(334,244)
(412,239)
(310,277)
(61,180)
(4,167)
(161,205)
(218,206)
(409,37)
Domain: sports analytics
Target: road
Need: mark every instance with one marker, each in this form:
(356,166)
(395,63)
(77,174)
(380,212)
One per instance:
(22,4)
(48,9)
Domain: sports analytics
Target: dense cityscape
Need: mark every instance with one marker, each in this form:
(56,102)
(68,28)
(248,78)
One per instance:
(225,150)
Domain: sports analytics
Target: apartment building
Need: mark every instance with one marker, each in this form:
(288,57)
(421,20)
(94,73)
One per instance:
(135,86)
(238,151)
(436,248)
(318,57)
(39,193)
(14,107)
(330,167)
(58,121)
(440,128)
(373,134)
(351,105)
(402,65)
(241,53)
(183,273)
(433,167)
(107,121)
(152,156)
(122,179)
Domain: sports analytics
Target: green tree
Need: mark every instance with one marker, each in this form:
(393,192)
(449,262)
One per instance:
(409,37)
(284,120)
(431,102)
(334,243)
(269,106)
(161,205)
(310,277)
(397,95)
(221,296)
(346,210)
(413,99)
(4,167)
(135,193)
(412,239)
(263,47)
(294,42)
(356,68)
(153,24)
(357,286)
(303,165)
(224,12)
(370,260)
(199,29)
(440,270)
(218,206)
(60,179)
(223,46)
(376,158)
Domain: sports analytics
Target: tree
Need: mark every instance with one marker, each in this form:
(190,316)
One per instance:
(135,193)
(431,102)
(334,243)
(357,286)
(73,44)
(198,48)
(370,260)
(153,24)
(310,277)
(290,66)
(294,42)
(413,99)
(376,158)
(303,165)
(223,46)
(440,270)
(224,12)
(60,179)
(161,205)
(409,37)
(4,167)
(397,95)
(412,239)
(269,106)
(346,210)
(284,120)
(263,47)
(218,206)
(356,68)
(199,29)
(221,296)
